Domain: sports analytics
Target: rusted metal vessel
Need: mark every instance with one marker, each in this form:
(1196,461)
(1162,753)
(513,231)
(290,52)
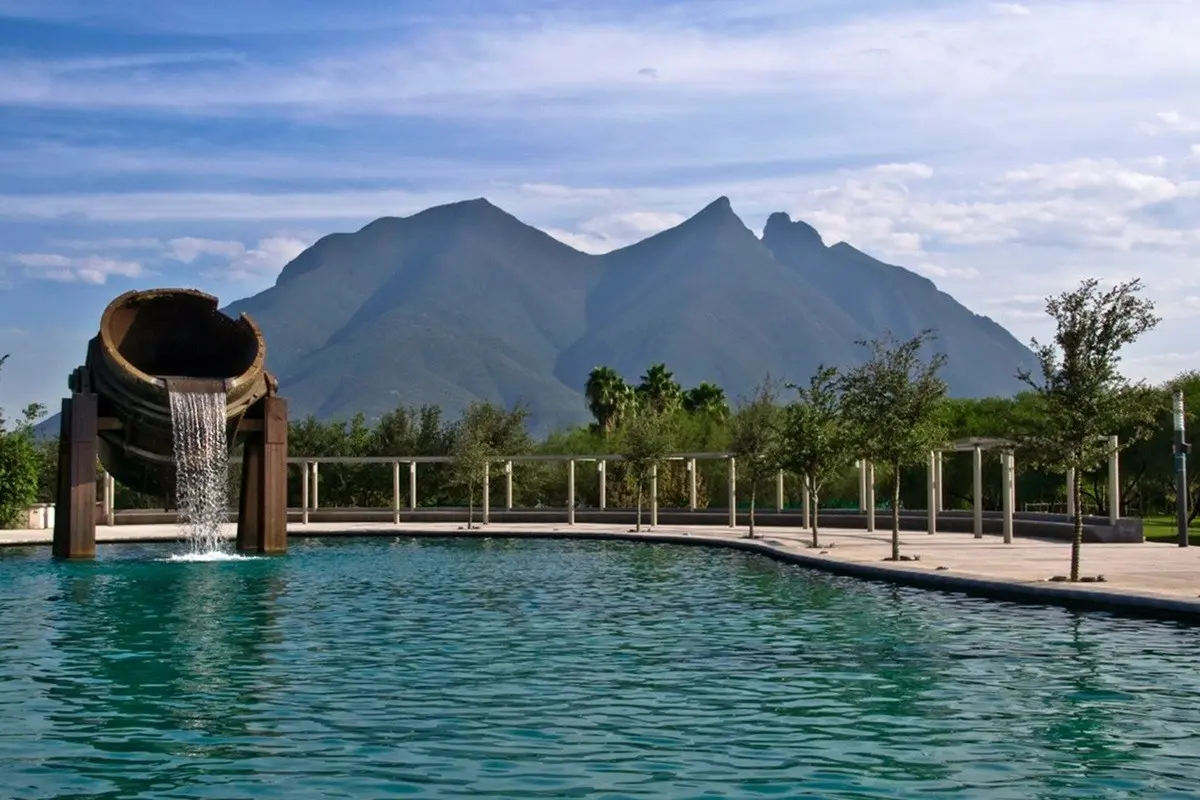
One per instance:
(147,341)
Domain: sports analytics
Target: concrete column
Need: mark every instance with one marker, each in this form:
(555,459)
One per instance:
(1008,490)
(487,491)
(316,486)
(571,492)
(110,500)
(871,495)
(304,475)
(732,492)
(1071,493)
(779,491)
(932,510)
(941,486)
(1114,481)
(602,471)
(691,468)
(654,495)
(412,485)
(862,485)
(977,490)
(807,504)
(508,505)
(395,492)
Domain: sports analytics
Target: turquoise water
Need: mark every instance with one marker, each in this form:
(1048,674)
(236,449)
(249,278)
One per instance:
(526,669)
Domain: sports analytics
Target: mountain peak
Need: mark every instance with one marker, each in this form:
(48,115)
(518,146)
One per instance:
(782,230)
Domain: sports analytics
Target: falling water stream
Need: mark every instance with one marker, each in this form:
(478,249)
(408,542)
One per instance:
(201,466)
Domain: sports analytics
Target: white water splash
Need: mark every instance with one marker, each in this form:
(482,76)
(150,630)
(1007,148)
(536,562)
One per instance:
(202,469)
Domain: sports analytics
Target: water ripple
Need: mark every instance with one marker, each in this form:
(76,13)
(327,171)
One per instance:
(465,669)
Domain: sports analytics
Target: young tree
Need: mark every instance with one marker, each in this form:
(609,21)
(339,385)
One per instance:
(892,405)
(646,438)
(755,437)
(484,433)
(815,442)
(1081,396)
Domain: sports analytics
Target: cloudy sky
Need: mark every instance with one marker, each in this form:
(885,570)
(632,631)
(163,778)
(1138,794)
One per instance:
(1006,150)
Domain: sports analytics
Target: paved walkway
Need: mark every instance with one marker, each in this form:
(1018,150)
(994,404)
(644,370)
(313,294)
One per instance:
(1159,575)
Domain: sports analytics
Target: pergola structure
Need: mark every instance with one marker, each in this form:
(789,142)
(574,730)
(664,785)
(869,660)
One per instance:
(977,446)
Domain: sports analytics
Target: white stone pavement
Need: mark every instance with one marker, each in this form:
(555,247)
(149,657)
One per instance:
(1141,570)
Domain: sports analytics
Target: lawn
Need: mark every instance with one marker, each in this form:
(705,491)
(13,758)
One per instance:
(1163,529)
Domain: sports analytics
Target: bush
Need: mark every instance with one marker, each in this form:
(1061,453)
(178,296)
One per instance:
(20,467)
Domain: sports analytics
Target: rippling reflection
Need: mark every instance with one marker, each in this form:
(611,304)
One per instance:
(504,668)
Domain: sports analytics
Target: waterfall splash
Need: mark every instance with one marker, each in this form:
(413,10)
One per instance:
(201,465)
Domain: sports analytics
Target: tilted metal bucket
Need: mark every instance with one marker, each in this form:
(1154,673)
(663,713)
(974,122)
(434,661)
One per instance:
(148,338)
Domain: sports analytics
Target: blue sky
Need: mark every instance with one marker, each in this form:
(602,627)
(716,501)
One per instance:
(1006,150)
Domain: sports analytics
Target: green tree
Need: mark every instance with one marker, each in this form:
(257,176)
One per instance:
(659,390)
(1082,398)
(893,406)
(755,437)
(472,450)
(646,438)
(815,444)
(706,399)
(607,397)
(19,463)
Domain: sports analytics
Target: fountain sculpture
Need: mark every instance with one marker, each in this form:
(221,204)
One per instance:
(166,368)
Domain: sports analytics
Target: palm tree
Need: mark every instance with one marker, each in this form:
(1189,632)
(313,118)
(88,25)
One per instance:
(659,389)
(707,399)
(606,393)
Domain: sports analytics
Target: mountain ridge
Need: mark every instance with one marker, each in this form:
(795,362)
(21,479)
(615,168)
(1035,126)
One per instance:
(465,301)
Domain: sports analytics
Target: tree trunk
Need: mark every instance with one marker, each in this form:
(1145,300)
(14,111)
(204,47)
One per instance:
(896,511)
(1077,539)
(638,527)
(470,506)
(816,506)
(752,509)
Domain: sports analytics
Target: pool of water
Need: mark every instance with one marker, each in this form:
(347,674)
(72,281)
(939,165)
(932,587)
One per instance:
(524,669)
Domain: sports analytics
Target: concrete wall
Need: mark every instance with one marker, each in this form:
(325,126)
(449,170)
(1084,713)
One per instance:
(1027,525)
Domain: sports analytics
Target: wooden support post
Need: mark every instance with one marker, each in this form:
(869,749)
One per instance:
(732,492)
(75,512)
(691,468)
(653,495)
(508,501)
(304,473)
(779,491)
(931,479)
(869,473)
(571,492)
(262,509)
(395,492)
(412,486)
(602,469)
(487,492)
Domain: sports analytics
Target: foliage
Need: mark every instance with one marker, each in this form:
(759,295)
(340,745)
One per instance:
(755,437)
(1081,396)
(608,395)
(20,462)
(816,444)
(646,440)
(659,390)
(893,407)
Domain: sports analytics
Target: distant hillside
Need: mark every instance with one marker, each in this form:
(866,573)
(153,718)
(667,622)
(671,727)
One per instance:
(464,302)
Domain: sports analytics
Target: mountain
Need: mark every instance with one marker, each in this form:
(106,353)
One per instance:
(981,356)
(464,302)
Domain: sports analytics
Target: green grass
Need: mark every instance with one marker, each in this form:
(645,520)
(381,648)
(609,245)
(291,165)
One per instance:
(1163,529)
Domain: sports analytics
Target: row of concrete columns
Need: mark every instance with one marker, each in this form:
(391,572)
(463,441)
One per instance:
(310,483)
(310,500)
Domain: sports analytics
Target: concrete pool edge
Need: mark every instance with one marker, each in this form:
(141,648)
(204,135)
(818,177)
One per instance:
(1090,596)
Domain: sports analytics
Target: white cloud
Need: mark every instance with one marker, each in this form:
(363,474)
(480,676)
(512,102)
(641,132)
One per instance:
(240,262)
(67,269)
(1015,9)
(901,171)
(609,232)
(1165,122)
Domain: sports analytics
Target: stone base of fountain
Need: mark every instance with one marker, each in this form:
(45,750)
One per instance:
(262,505)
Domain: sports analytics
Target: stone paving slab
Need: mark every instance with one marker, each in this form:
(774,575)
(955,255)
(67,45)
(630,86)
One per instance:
(1152,571)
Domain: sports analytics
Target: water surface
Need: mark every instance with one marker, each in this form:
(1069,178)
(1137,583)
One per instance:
(525,669)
